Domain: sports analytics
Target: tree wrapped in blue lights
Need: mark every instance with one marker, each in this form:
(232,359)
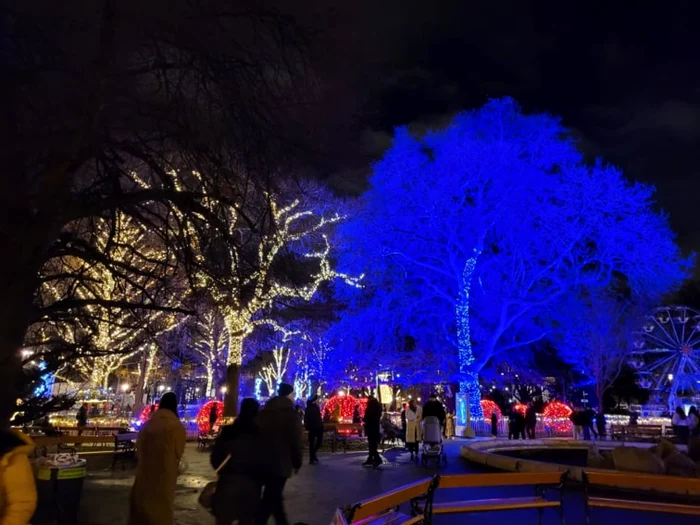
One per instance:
(469,236)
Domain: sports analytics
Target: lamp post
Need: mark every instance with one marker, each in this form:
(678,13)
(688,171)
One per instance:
(125,388)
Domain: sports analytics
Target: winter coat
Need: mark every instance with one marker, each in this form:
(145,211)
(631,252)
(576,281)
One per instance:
(81,417)
(17,488)
(280,438)
(373,417)
(238,487)
(435,409)
(159,447)
(312,417)
(530,417)
(413,434)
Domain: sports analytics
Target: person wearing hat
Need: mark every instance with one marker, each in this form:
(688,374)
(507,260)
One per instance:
(281,450)
(313,422)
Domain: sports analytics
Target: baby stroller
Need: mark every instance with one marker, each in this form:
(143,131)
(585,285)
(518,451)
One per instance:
(432,442)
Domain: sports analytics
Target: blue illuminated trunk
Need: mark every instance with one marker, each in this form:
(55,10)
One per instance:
(469,383)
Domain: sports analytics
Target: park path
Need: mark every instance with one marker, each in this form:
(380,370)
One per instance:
(312,496)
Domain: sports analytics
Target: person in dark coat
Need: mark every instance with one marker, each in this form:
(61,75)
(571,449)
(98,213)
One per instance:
(213,416)
(81,418)
(530,421)
(373,418)
(237,495)
(281,452)
(433,408)
(313,422)
(494,424)
(600,423)
(356,417)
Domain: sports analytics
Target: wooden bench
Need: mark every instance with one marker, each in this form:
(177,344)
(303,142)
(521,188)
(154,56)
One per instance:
(205,440)
(540,482)
(347,432)
(636,432)
(93,430)
(386,508)
(124,448)
(641,482)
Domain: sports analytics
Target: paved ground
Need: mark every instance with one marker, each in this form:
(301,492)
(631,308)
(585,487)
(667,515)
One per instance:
(313,495)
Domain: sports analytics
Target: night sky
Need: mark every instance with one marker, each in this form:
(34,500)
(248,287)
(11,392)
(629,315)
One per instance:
(625,76)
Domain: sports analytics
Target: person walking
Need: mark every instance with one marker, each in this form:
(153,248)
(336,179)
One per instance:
(17,489)
(373,418)
(693,422)
(404,423)
(81,418)
(237,456)
(433,408)
(213,416)
(494,424)
(600,424)
(530,421)
(450,426)
(313,422)
(159,448)
(680,425)
(281,450)
(413,418)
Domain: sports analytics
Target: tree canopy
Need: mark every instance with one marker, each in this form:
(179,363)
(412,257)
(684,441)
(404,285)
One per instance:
(470,235)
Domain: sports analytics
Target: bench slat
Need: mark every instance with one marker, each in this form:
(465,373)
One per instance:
(642,481)
(390,518)
(394,498)
(482,505)
(671,508)
(499,480)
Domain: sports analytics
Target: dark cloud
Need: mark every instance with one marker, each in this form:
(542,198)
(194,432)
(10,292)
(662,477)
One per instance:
(624,77)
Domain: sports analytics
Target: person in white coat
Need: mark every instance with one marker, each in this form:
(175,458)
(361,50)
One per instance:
(413,437)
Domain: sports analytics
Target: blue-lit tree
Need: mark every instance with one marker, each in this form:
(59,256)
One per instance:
(595,334)
(469,236)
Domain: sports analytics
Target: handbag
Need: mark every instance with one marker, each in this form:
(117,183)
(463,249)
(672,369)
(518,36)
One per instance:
(207,495)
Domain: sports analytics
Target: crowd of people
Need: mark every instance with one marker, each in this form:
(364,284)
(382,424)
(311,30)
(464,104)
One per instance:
(254,458)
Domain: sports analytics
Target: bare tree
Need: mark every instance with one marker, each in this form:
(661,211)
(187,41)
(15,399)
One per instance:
(596,334)
(95,92)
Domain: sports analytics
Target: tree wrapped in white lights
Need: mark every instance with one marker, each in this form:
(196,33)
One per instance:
(471,234)
(273,372)
(211,344)
(281,257)
(105,317)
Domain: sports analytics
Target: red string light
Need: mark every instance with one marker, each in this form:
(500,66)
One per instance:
(488,407)
(519,407)
(556,416)
(203,415)
(347,404)
(146,413)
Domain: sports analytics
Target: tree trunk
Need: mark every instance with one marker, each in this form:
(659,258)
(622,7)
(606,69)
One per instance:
(210,380)
(145,367)
(600,394)
(233,373)
(469,383)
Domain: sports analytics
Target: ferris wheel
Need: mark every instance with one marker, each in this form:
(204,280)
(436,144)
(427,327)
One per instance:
(666,354)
